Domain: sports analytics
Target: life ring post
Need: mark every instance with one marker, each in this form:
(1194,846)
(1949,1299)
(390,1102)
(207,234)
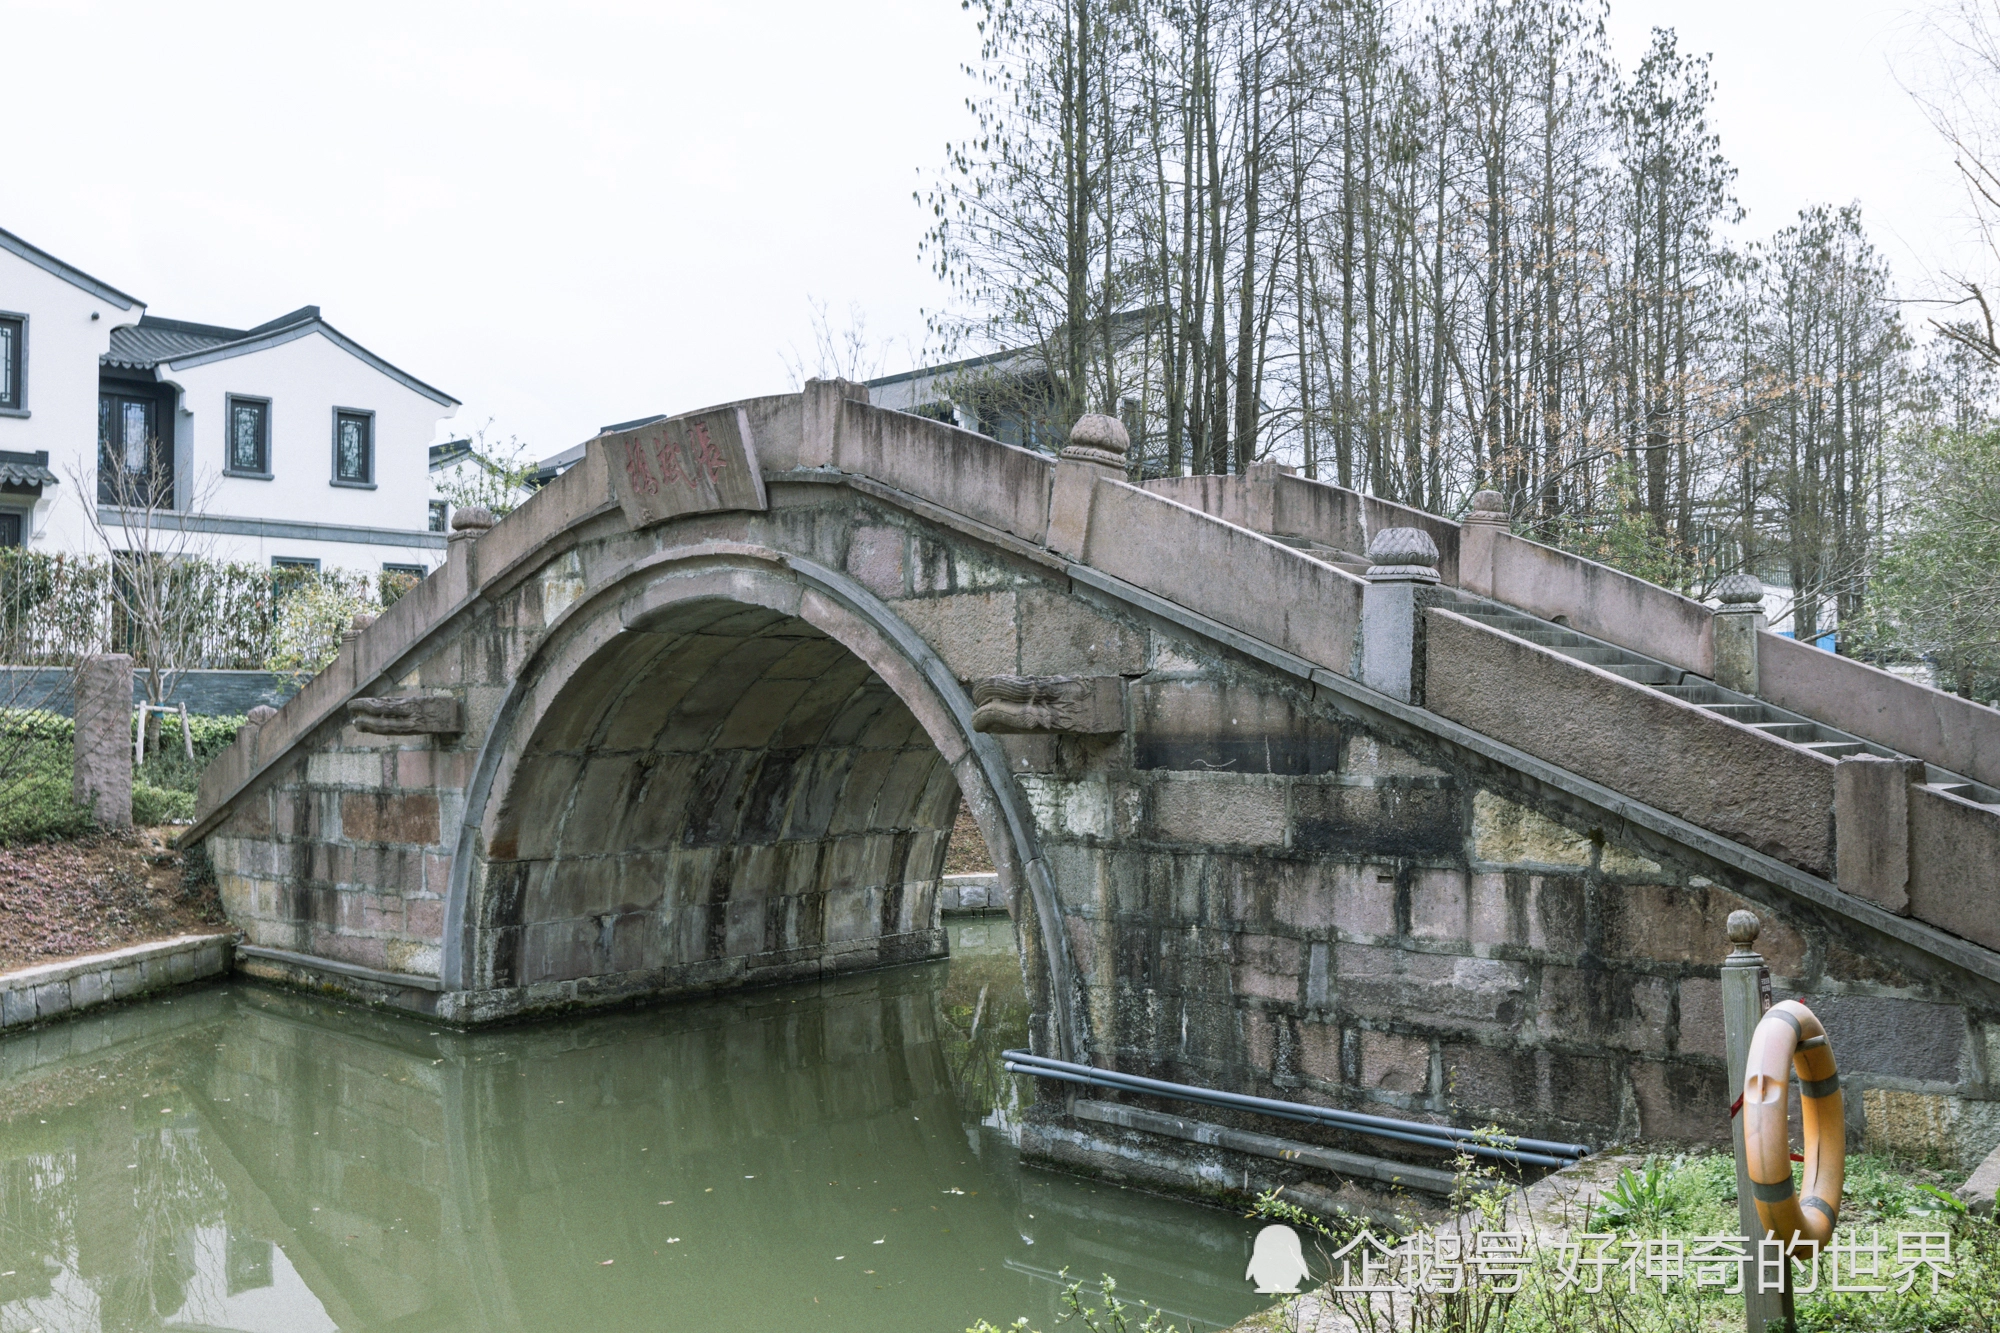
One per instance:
(1745,987)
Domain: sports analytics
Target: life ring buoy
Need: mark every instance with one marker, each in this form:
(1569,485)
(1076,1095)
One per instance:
(1790,1036)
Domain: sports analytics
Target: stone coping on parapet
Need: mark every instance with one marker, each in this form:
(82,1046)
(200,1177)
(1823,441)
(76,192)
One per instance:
(55,990)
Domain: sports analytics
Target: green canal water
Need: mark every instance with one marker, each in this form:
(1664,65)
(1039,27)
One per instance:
(836,1156)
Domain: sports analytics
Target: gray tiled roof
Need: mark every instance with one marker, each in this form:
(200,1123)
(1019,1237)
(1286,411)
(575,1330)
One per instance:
(152,340)
(24,469)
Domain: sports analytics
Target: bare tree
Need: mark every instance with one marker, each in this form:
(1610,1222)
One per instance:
(157,550)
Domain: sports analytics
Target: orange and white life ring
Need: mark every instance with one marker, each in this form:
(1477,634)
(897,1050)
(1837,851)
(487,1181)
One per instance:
(1788,1037)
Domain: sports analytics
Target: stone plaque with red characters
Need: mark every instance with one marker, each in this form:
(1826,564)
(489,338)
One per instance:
(694,464)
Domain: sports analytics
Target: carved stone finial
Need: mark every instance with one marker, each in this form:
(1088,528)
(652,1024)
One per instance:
(261,714)
(1403,553)
(1488,507)
(1402,546)
(1096,438)
(1745,590)
(472,519)
(1743,928)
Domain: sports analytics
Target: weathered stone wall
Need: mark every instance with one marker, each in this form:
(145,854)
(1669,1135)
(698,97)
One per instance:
(1267,897)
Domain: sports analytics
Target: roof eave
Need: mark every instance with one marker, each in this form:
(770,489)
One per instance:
(69,273)
(292,333)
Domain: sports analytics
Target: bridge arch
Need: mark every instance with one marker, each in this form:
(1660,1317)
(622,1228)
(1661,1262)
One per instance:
(725,762)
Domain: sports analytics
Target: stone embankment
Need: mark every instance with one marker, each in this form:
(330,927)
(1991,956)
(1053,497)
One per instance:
(56,990)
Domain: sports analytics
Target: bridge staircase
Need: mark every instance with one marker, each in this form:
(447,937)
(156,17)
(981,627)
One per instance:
(1778,723)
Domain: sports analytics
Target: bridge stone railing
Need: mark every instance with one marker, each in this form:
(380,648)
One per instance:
(1714,773)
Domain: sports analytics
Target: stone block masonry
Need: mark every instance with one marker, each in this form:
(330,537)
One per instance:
(58,990)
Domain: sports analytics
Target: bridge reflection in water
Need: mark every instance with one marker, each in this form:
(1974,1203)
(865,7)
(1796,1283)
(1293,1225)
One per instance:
(836,1156)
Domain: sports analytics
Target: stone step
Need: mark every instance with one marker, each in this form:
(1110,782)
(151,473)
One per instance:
(1642,673)
(1700,693)
(1748,714)
(1836,749)
(1596,654)
(1507,623)
(1796,732)
(1555,638)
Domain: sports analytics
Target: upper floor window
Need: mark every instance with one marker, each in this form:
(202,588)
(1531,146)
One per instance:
(10,529)
(134,466)
(249,437)
(440,513)
(353,448)
(13,362)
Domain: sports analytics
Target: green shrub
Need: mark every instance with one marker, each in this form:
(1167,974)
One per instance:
(37,724)
(35,801)
(161,805)
(39,809)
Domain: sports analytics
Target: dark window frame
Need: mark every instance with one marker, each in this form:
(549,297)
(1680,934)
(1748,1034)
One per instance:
(229,468)
(16,403)
(310,562)
(440,516)
(161,403)
(369,417)
(13,528)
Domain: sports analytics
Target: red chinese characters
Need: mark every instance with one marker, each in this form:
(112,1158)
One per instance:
(638,473)
(706,455)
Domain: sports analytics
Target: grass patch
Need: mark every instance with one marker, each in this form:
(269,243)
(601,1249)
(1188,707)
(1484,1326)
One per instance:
(1687,1196)
(38,748)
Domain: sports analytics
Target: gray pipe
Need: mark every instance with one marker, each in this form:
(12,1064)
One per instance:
(1445,1137)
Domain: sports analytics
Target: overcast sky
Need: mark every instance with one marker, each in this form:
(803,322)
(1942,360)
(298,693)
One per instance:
(568,215)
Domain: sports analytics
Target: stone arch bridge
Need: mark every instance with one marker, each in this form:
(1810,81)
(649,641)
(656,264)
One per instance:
(1449,829)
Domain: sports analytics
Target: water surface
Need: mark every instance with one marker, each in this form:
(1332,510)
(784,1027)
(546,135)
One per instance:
(834,1156)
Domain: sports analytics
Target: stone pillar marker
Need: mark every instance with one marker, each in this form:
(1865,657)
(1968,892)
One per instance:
(1745,990)
(101,776)
(1096,451)
(1404,560)
(1871,828)
(1737,623)
(1478,535)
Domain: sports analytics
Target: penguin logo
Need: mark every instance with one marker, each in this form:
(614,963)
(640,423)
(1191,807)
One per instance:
(1277,1263)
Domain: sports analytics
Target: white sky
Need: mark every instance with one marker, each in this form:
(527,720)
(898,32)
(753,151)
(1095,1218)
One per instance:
(568,215)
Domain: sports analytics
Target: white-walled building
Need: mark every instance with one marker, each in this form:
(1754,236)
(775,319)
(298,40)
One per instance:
(288,443)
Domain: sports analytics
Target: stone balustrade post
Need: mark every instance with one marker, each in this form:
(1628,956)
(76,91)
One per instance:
(1403,562)
(1745,995)
(101,774)
(1871,828)
(1478,535)
(1096,451)
(821,403)
(468,525)
(1737,623)
(253,725)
